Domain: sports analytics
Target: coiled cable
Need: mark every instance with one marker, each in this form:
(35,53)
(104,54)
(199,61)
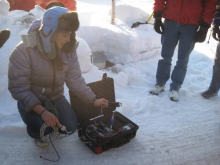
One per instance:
(52,136)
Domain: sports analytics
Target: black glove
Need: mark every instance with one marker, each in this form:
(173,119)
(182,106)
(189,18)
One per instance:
(158,25)
(216,31)
(201,33)
(4,35)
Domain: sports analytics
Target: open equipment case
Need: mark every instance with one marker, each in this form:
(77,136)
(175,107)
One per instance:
(102,128)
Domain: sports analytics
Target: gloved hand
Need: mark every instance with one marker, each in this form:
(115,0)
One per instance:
(216,32)
(202,32)
(158,25)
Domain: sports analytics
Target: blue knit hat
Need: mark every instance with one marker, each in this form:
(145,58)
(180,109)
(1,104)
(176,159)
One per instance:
(49,24)
(50,19)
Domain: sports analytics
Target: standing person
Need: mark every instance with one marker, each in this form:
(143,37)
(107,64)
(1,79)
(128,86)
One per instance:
(215,82)
(40,65)
(186,22)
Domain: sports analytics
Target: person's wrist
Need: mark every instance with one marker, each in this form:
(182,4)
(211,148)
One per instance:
(42,112)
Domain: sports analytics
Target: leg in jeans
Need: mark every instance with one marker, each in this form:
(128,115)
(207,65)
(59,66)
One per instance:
(186,45)
(215,83)
(169,41)
(34,122)
(66,114)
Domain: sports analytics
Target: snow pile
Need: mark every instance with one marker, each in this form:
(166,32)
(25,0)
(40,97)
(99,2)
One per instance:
(130,14)
(120,43)
(20,17)
(121,79)
(4,7)
(37,12)
(84,56)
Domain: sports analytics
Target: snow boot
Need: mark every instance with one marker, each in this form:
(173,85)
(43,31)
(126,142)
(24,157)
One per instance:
(155,90)
(174,95)
(40,143)
(209,93)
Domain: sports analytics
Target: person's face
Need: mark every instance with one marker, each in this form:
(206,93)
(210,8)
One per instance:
(61,38)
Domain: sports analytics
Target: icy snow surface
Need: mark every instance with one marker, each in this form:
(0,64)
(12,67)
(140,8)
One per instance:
(170,133)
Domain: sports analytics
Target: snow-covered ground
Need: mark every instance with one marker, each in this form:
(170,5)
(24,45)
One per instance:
(170,133)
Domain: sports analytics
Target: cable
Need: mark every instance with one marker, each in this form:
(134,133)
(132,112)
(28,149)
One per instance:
(88,135)
(52,136)
(97,131)
(55,151)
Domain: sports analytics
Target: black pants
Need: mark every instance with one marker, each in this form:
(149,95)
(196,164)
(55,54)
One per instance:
(34,121)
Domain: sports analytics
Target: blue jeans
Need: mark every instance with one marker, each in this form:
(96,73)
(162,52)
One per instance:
(215,83)
(175,32)
(34,121)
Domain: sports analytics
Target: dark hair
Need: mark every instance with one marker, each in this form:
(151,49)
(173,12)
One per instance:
(54,4)
(68,22)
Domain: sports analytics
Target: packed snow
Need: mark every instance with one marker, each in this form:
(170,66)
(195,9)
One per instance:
(186,132)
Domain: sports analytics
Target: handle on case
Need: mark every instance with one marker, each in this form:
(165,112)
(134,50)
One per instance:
(114,104)
(104,76)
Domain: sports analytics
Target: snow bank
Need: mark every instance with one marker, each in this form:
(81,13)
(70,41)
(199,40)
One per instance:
(84,56)
(120,43)
(37,12)
(4,7)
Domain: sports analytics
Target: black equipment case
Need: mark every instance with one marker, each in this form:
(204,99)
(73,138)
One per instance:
(95,122)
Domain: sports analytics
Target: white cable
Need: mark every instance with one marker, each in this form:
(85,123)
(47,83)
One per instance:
(54,133)
(88,135)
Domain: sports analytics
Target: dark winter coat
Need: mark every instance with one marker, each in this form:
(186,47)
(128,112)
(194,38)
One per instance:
(187,11)
(33,79)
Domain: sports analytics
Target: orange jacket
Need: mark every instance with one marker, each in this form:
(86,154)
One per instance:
(187,11)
